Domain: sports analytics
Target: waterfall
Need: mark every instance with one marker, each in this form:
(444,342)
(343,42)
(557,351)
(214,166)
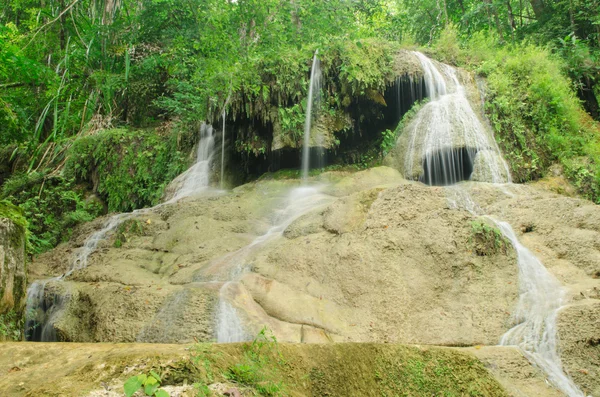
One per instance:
(540,298)
(447,142)
(452,142)
(408,91)
(229,325)
(41,313)
(314,90)
(197,177)
(223,151)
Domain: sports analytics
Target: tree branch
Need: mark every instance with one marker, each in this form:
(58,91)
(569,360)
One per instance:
(50,23)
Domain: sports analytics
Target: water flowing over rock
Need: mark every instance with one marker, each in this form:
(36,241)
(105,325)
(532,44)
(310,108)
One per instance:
(197,177)
(314,94)
(452,145)
(44,309)
(447,142)
(541,297)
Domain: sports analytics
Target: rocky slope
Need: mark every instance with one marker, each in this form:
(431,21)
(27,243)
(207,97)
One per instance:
(376,259)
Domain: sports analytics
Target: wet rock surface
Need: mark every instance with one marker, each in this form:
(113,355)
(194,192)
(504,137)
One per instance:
(382,260)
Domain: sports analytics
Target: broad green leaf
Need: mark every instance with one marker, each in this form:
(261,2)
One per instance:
(132,385)
(161,393)
(152,372)
(151,389)
(150,381)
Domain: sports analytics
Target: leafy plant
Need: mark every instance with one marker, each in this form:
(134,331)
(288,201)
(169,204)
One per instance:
(150,385)
(11,326)
(487,240)
(261,357)
(52,206)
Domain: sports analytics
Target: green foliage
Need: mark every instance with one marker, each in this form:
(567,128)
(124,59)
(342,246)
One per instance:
(150,385)
(388,141)
(11,326)
(129,169)
(52,206)
(261,359)
(535,114)
(487,240)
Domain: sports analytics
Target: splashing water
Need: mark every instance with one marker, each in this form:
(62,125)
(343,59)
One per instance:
(197,178)
(540,298)
(446,138)
(314,90)
(41,313)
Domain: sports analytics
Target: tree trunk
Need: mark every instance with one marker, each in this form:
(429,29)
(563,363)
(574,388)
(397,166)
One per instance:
(62,26)
(511,20)
(590,102)
(538,8)
(446,14)
(492,10)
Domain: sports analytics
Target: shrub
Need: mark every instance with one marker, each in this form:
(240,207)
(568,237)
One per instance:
(52,206)
(129,169)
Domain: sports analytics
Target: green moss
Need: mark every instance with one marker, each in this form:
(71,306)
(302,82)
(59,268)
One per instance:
(14,213)
(131,227)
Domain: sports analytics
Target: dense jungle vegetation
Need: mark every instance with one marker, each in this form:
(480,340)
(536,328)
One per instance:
(106,96)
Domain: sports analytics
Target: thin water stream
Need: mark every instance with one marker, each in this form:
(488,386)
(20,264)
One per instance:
(314,90)
(299,201)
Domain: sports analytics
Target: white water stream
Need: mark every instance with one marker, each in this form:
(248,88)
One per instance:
(447,135)
(40,312)
(438,125)
(298,202)
(540,298)
(314,90)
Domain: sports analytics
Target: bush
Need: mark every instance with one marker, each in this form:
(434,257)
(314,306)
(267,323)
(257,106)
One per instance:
(51,205)
(128,169)
(535,114)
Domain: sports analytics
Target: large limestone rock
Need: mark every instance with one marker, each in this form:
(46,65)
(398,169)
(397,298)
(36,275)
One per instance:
(379,259)
(13,279)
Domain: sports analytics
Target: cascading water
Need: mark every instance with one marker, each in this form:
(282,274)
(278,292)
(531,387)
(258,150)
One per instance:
(447,143)
(223,152)
(438,126)
(229,327)
(541,297)
(41,312)
(197,178)
(314,91)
